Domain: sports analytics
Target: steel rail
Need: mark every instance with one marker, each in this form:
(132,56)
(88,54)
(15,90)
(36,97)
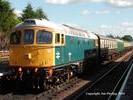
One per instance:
(125,72)
(97,80)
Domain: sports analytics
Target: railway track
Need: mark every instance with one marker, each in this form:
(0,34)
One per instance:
(105,87)
(46,95)
(60,91)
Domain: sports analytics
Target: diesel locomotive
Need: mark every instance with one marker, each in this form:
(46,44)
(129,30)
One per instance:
(42,52)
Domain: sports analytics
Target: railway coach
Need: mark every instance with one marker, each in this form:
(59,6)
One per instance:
(128,45)
(108,48)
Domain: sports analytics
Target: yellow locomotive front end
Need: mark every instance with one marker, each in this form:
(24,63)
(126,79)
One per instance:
(32,52)
(31,48)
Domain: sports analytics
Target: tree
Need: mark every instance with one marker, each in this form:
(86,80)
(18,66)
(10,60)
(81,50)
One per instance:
(28,12)
(7,21)
(7,17)
(40,14)
(127,38)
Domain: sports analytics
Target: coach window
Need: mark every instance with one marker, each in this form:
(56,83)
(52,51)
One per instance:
(62,38)
(15,37)
(111,44)
(57,38)
(103,43)
(44,37)
(106,43)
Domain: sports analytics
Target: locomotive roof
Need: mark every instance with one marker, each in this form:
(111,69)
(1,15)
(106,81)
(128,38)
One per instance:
(39,22)
(66,29)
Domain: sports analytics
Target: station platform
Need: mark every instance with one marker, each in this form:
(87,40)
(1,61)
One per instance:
(127,87)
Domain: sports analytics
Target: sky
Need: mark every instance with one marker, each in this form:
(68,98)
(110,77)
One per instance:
(101,16)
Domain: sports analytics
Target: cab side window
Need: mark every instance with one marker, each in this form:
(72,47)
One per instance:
(15,37)
(62,38)
(57,38)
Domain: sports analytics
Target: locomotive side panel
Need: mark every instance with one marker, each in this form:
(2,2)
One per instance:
(75,49)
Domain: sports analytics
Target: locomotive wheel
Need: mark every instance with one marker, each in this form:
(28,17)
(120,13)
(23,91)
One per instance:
(38,84)
(110,58)
(81,67)
(19,86)
(41,84)
(69,74)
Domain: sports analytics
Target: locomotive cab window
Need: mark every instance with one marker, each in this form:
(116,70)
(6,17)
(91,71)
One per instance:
(62,38)
(28,36)
(44,37)
(57,38)
(15,37)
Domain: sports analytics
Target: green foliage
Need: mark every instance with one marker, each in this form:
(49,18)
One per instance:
(7,18)
(28,12)
(7,21)
(127,38)
(40,14)
(4,6)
